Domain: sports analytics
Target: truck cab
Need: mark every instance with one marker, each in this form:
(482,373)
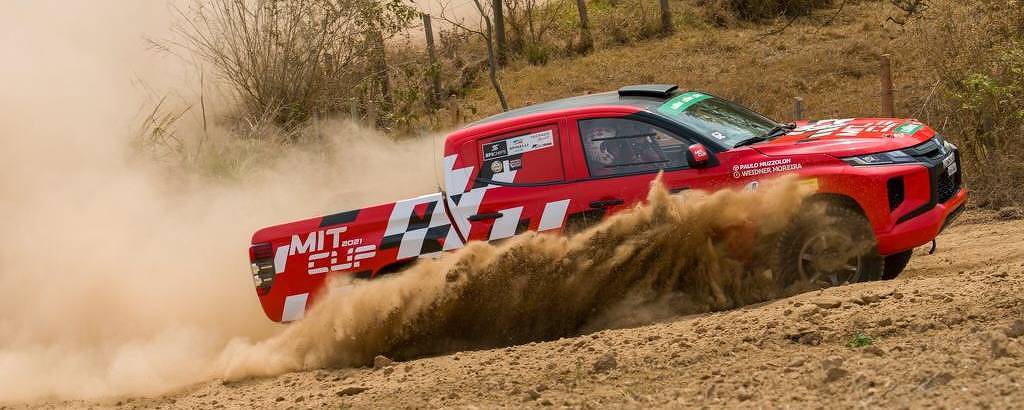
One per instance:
(567,164)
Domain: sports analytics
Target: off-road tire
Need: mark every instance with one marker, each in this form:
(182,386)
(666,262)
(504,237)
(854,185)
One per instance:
(825,222)
(895,263)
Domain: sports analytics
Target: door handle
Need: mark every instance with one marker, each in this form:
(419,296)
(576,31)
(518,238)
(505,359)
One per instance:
(605,203)
(484,217)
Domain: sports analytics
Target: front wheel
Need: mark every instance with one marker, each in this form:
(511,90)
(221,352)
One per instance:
(826,245)
(895,263)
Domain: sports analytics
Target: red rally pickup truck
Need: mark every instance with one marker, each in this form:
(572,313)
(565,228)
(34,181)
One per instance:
(580,159)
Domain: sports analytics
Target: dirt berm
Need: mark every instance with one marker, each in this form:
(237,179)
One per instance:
(948,333)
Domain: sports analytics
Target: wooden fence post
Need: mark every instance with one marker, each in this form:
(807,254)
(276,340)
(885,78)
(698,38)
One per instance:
(371,110)
(435,71)
(886,74)
(798,108)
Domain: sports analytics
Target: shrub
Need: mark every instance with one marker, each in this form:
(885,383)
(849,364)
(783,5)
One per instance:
(756,10)
(532,26)
(291,58)
(624,21)
(860,339)
(978,54)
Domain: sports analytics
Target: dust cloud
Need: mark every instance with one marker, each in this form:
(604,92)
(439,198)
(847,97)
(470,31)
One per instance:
(677,254)
(117,278)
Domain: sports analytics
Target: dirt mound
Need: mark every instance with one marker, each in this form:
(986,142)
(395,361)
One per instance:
(679,254)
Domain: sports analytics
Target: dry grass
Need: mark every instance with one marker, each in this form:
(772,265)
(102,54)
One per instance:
(976,50)
(834,67)
(830,58)
(956,66)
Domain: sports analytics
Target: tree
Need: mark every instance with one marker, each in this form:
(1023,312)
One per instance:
(499,32)
(487,33)
(666,17)
(586,40)
(379,72)
(529,22)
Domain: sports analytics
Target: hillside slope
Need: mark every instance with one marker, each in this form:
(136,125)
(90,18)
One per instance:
(830,59)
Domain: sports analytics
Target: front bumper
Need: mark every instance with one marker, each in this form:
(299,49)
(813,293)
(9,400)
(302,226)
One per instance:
(944,200)
(922,228)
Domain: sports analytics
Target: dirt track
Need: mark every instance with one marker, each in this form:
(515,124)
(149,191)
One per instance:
(946,333)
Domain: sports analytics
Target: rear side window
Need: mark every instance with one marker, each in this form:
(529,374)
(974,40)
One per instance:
(617,146)
(527,157)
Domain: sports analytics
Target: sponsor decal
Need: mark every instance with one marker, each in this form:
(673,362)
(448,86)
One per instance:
(518,145)
(908,128)
(496,167)
(495,150)
(682,102)
(514,164)
(767,167)
(327,252)
(812,183)
(842,128)
(465,202)
(700,154)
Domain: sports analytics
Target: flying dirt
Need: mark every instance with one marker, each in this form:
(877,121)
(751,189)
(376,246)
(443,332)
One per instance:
(946,333)
(672,256)
(122,281)
(118,278)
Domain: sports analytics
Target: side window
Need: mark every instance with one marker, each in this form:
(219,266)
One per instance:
(528,157)
(615,146)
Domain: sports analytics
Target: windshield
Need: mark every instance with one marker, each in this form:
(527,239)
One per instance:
(717,119)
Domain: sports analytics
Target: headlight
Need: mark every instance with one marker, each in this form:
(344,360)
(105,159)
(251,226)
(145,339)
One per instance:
(881,158)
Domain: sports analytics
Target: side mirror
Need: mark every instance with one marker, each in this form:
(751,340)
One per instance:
(697,155)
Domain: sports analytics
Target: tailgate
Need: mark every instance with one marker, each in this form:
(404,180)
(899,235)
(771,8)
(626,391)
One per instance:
(291,262)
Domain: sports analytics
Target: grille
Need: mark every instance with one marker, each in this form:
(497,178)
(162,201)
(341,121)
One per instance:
(948,186)
(931,149)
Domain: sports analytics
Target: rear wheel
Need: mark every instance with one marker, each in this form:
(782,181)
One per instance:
(826,245)
(895,263)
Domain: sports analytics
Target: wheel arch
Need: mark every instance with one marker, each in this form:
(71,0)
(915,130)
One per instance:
(395,267)
(836,199)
